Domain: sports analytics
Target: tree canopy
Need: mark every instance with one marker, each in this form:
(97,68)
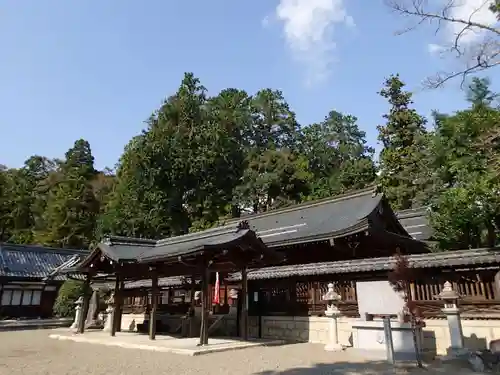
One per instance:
(202,159)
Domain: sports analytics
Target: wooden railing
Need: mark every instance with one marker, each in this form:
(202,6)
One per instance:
(305,298)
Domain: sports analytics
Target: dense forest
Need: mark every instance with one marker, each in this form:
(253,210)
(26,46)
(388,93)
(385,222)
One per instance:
(203,158)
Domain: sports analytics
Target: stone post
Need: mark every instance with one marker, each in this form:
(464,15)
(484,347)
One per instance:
(452,312)
(333,312)
(78,312)
(110,311)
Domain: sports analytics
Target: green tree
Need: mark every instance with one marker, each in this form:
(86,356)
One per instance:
(466,204)
(338,155)
(158,177)
(403,136)
(6,185)
(274,125)
(72,208)
(273,179)
(67,295)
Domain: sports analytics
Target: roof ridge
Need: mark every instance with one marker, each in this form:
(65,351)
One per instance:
(207,233)
(40,248)
(318,202)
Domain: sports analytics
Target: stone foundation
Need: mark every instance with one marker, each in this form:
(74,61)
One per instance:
(477,333)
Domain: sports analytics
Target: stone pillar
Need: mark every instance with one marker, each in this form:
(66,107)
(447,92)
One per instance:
(333,334)
(108,323)
(333,312)
(452,312)
(78,313)
(110,311)
(455,327)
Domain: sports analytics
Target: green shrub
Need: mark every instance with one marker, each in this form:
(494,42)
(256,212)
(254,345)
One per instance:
(69,292)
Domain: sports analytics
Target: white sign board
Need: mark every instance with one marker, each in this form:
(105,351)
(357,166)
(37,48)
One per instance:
(378,298)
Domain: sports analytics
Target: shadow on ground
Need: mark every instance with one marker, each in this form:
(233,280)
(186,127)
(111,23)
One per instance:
(371,368)
(345,368)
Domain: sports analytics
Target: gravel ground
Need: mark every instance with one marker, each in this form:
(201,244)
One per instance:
(34,353)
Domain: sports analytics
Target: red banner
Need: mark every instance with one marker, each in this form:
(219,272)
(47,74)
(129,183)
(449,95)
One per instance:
(216,299)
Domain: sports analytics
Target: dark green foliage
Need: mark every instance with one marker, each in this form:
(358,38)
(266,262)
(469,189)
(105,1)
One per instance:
(466,200)
(67,295)
(203,159)
(72,208)
(338,156)
(404,142)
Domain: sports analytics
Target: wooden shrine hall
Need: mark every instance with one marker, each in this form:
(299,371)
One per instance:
(354,226)
(230,248)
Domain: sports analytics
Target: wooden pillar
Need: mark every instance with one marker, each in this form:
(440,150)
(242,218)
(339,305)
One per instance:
(244,304)
(116,298)
(192,309)
(225,292)
(205,279)
(85,305)
(119,306)
(154,306)
(496,285)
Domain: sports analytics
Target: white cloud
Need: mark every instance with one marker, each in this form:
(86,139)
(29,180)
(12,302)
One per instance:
(478,12)
(308,27)
(435,49)
(474,10)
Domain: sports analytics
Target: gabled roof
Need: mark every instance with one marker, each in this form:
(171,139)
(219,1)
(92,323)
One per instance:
(434,260)
(28,261)
(323,219)
(416,223)
(222,239)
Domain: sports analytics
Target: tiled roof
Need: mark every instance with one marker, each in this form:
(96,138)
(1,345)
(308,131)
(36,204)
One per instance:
(27,261)
(148,251)
(317,220)
(416,223)
(433,260)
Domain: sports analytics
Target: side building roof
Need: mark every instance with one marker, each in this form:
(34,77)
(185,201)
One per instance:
(34,262)
(446,259)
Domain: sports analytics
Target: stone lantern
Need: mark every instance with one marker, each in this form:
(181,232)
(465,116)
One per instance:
(333,312)
(78,312)
(452,312)
(110,312)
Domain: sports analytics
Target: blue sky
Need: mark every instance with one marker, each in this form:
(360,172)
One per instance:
(96,69)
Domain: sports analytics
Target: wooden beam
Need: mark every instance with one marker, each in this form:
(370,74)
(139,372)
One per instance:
(244,304)
(154,306)
(85,305)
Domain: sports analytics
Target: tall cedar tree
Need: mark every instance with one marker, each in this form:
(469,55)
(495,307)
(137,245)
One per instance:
(403,139)
(72,208)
